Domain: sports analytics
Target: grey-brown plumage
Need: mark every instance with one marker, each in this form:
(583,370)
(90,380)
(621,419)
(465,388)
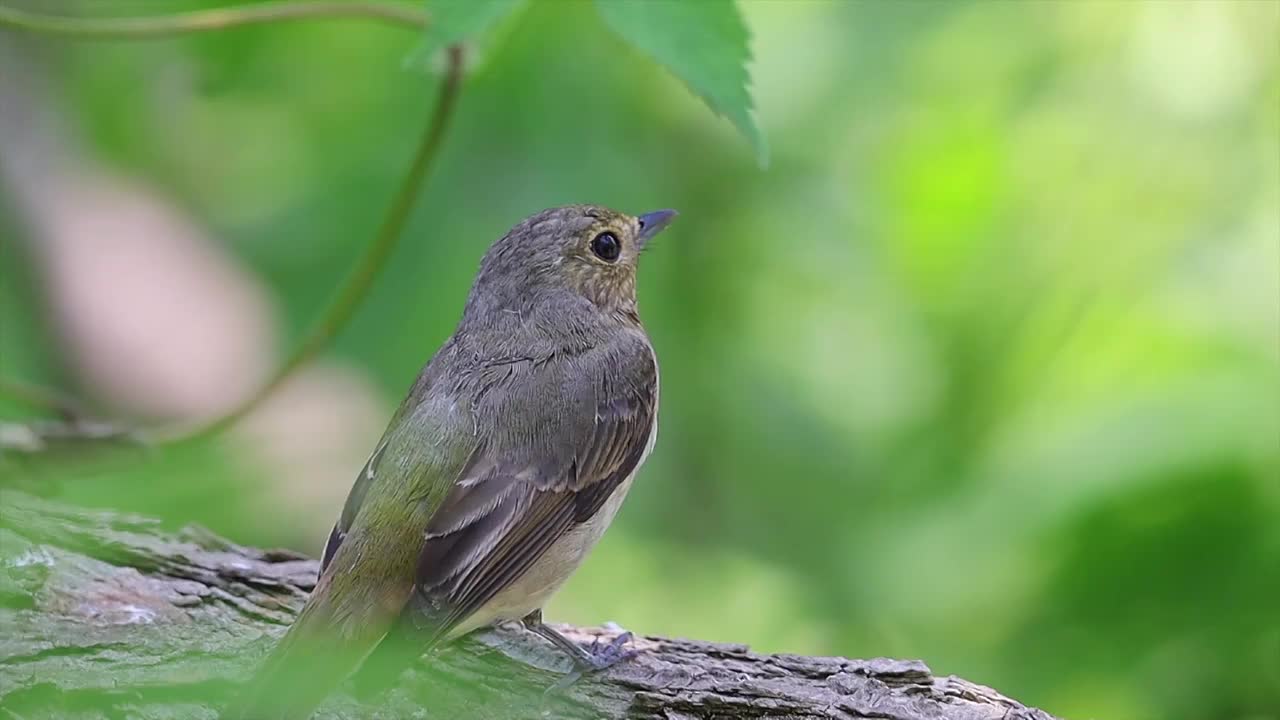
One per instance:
(500,469)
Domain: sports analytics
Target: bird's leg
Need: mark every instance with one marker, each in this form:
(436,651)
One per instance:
(585,661)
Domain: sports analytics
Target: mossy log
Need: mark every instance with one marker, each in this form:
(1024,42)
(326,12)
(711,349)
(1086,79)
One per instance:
(107,615)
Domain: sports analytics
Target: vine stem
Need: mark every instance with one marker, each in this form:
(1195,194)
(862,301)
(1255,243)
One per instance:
(366,271)
(140,28)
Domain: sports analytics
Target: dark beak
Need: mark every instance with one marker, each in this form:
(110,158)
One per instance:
(652,223)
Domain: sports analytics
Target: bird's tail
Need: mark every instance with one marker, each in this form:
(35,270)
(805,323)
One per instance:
(412,635)
(310,661)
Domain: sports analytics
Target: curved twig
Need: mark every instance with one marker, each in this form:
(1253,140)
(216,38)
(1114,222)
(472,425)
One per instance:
(141,28)
(42,398)
(361,278)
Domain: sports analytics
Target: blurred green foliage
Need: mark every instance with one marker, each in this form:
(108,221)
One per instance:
(984,369)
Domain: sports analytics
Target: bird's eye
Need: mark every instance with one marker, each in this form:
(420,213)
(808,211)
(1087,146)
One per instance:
(606,246)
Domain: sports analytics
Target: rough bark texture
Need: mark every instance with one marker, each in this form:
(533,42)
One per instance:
(104,615)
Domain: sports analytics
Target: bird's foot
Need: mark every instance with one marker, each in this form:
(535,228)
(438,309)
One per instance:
(595,658)
(598,657)
(603,656)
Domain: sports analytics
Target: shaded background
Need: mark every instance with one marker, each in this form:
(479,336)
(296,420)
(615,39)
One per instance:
(983,369)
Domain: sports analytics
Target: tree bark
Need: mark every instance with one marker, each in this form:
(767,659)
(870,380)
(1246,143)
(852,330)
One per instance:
(105,615)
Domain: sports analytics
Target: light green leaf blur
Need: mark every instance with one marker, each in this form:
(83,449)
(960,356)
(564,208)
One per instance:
(704,43)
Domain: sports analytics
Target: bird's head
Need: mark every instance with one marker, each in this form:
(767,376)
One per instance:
(588,250)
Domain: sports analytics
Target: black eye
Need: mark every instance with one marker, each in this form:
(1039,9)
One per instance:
(606,246)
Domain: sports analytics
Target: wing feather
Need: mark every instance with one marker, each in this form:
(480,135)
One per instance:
(503,515)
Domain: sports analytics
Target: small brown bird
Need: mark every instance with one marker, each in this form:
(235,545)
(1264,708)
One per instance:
(498,473)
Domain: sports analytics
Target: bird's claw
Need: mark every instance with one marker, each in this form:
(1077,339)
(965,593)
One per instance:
(606,655)
(597,657)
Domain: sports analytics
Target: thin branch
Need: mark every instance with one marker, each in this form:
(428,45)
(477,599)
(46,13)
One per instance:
(75,426)
(141,28)
(375,257)
(41,398)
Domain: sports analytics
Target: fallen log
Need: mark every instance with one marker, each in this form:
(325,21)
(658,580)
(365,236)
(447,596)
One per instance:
(108,615)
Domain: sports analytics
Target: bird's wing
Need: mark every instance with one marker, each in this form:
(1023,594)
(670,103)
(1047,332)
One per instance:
(587,426)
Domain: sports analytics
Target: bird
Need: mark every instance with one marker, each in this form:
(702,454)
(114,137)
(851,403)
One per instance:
(498,473)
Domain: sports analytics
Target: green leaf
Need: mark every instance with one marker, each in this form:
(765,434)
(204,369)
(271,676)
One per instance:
(702,42)
(453,21)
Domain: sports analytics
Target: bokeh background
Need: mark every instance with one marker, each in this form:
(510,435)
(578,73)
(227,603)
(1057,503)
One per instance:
(983,369)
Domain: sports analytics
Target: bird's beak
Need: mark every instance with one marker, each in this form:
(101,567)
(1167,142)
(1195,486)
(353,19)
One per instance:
(652,223)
